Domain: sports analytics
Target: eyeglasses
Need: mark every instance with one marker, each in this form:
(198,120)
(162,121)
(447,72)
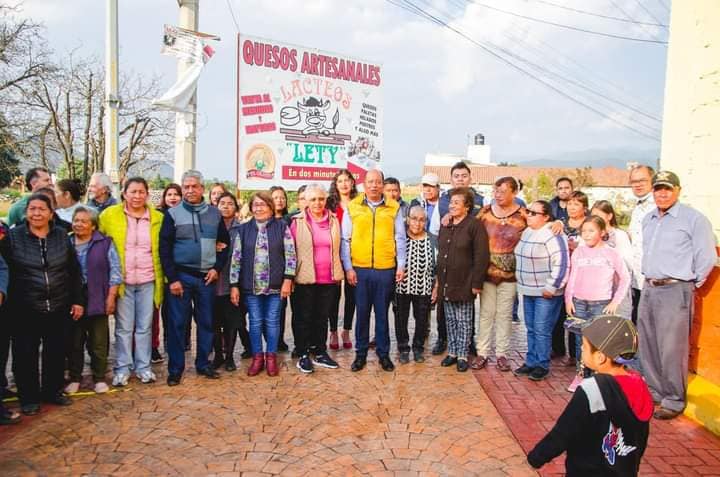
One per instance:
(533,213)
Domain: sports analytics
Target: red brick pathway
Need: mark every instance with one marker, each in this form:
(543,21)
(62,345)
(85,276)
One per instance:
(677,448)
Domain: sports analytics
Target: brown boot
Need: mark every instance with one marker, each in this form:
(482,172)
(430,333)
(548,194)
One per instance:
(272,367)
(257,365)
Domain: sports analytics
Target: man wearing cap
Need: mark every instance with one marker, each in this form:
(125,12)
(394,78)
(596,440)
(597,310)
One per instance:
(678,254)
(641,185)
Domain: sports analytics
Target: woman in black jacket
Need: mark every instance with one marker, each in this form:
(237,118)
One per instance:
(44,291)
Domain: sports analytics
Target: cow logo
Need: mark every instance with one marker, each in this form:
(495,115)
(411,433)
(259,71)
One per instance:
(613,445)
(313,113)
(260,162)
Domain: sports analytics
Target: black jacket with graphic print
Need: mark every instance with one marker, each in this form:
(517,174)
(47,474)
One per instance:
(599,431)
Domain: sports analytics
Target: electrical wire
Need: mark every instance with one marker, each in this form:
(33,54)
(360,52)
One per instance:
(414,9)
(232,14)
(599,15)
(650,14)
(629,17)
(568,27)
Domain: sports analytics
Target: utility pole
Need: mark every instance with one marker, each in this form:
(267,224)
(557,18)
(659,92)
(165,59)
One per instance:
(186,122)
(112,100)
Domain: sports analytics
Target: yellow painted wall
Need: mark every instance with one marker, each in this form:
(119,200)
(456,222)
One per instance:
(691,148)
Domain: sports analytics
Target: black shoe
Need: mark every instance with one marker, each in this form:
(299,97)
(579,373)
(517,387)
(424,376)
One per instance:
(217,361)
(305,365)
(325,361)
(246,354)
(418,357)
(538,374)
(358,364)
(173,379)
(462,365)
(523,370)
(30,409)
(209,373)
(59,398)
(439,347)
(404,357)
(282,346)
(156,356)
(230,365)
(448,361)
(386,364)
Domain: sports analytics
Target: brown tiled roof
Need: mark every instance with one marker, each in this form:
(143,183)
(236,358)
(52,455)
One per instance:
(601,177)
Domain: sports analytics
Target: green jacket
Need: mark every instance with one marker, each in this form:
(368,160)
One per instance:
(113,223)
(16,214)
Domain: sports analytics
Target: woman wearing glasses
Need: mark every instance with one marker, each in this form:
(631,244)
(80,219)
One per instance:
(542,264)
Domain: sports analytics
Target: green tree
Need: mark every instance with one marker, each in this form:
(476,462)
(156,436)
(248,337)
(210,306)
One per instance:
(539,187)
(9,169)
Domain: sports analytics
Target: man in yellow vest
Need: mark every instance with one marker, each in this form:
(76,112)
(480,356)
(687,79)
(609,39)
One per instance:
(373,256)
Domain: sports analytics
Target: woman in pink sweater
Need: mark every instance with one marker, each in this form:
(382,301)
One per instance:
(598,281)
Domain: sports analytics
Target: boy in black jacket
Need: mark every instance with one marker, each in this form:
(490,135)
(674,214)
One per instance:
(604,428)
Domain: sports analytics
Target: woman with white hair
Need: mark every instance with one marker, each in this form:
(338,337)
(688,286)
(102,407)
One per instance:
(319,271)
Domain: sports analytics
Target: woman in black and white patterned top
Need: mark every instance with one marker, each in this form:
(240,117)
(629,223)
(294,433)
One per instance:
(416,287)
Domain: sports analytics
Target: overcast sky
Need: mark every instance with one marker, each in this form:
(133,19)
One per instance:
(438,87)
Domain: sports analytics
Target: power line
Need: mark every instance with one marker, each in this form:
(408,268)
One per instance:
(629,17)
(414,9)
(600,15)
(650,14)
(568,27)
(573,82)
(232,14)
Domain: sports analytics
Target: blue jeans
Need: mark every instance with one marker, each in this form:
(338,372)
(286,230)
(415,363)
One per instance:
(200,297)
(540,317)
(586,309)
(374,291)
(264,315)
(133,317)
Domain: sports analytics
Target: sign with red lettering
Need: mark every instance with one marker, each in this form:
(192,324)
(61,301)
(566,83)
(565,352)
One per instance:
(304,114)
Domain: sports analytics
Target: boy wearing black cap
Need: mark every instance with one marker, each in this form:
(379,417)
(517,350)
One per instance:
(604,428)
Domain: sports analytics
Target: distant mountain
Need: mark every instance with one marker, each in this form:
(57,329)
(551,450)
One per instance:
(617,157)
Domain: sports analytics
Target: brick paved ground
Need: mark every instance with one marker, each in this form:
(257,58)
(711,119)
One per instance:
(419,420)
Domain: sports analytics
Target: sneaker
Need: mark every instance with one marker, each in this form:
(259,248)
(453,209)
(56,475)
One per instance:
(147,377)
(325,361)
(305,365)
(575,383)
(72,388)
(156,356)
(538,374)
(418,357)
(120,380)
(101,387)
(523,370)
(404,357)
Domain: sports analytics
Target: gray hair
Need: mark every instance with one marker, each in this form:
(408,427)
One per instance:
(103,179)
(314,187)
(192,173)
(417,208)
(88,210)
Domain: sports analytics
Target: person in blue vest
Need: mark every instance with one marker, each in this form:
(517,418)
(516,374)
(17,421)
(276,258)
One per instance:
(460,176)
(190,237)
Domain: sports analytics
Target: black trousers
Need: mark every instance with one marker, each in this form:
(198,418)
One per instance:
(635,302)
(441,325)
(229,322)
(29,331)
(421,307)
(310,323)
(349,308)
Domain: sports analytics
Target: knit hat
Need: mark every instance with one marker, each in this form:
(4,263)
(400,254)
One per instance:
(613,335)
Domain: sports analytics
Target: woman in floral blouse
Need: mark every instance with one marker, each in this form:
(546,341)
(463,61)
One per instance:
(263,267)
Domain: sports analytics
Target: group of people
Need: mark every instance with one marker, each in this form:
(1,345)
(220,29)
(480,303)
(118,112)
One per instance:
(69,266)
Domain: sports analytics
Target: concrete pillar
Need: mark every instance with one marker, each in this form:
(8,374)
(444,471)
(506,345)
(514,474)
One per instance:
(185,123)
